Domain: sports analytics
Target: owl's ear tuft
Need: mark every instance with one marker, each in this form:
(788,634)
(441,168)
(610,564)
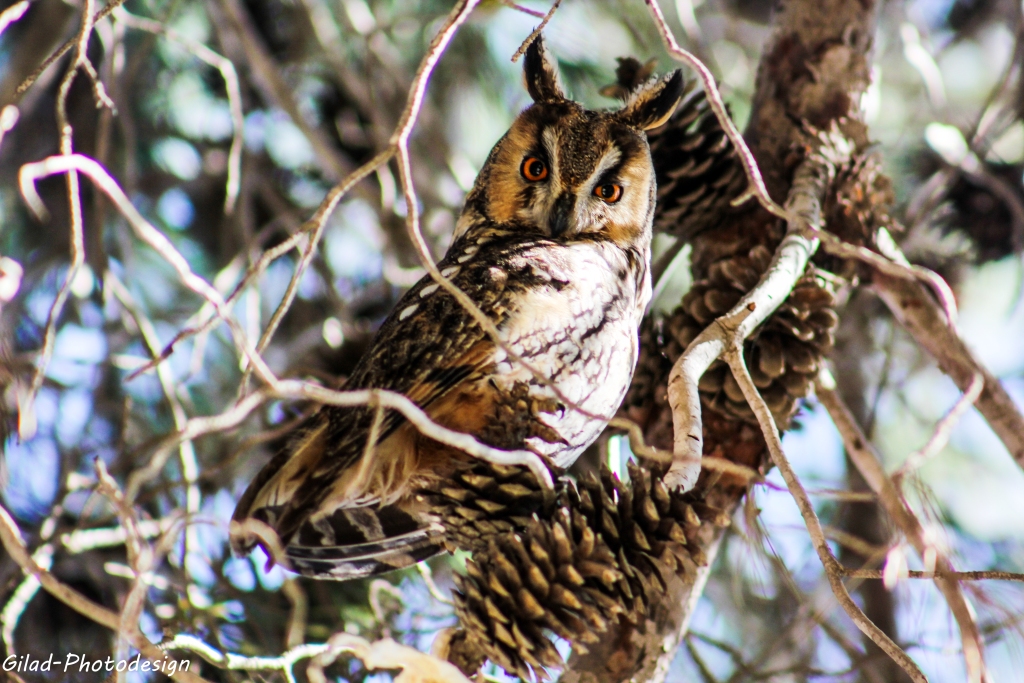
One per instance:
(541,74)
(652,104)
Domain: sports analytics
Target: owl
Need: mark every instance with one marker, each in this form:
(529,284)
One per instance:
(553,246)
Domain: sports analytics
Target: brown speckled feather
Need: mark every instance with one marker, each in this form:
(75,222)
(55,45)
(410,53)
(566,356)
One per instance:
(553,246)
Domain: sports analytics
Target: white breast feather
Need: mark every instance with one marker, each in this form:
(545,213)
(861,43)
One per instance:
(553,329)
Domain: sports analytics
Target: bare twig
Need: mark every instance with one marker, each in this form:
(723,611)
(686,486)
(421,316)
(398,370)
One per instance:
(32,172)
(832,494)
(186,451)
(295,389)
(84,540)
(892,262)
(807,609)
(383,654)
(981,575)
(141,559)
(22,596)
(43,556)
(428,579)
(757,187)
(314,228)
(861,453)
(521,8)
(925,321)
(108,488)
(63,49)
(536,32)
(26,413)
(388,399)
(639,446)
(235,662)
(295,633)
(206,317)
(941,433)
(12,542)
(833,570)
(857,544)
(266,75)
(231,86)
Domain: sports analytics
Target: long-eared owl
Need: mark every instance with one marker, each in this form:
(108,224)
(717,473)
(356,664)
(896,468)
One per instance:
(553,246)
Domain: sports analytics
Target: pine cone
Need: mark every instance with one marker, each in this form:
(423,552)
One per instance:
(604,554)
(481,499)
(858,204)
(454,645)
(696,168)
(979,211)
(783,356)
(485,500)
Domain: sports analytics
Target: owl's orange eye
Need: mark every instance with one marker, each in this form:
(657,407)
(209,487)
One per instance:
(533,169)
(609,192)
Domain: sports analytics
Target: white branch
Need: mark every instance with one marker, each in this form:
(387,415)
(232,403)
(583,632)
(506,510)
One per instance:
(416,666)
(786,267)
(10,538)
(296,389)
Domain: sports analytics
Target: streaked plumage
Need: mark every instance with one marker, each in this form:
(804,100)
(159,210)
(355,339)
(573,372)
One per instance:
(553,245)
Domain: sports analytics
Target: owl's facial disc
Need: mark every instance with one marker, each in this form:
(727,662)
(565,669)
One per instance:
(571,173)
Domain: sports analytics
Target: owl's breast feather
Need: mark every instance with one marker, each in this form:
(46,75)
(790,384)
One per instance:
(577,328)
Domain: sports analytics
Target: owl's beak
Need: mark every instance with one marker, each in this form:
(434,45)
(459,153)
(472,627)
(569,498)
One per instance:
(561,214)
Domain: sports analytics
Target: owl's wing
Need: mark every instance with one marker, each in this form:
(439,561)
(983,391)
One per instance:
(430,350)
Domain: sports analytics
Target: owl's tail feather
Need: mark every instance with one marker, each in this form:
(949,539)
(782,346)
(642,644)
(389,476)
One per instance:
(350,543)
(342,563)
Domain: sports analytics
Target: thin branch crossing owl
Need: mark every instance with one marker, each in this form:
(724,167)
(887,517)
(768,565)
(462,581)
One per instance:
(553,246)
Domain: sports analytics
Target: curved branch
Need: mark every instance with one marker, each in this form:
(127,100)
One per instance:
(757,187)
(922,316)
(788,265)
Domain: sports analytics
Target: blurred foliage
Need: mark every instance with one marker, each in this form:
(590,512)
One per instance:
(344,67)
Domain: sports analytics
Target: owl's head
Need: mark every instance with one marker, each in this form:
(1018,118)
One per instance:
(573,173)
